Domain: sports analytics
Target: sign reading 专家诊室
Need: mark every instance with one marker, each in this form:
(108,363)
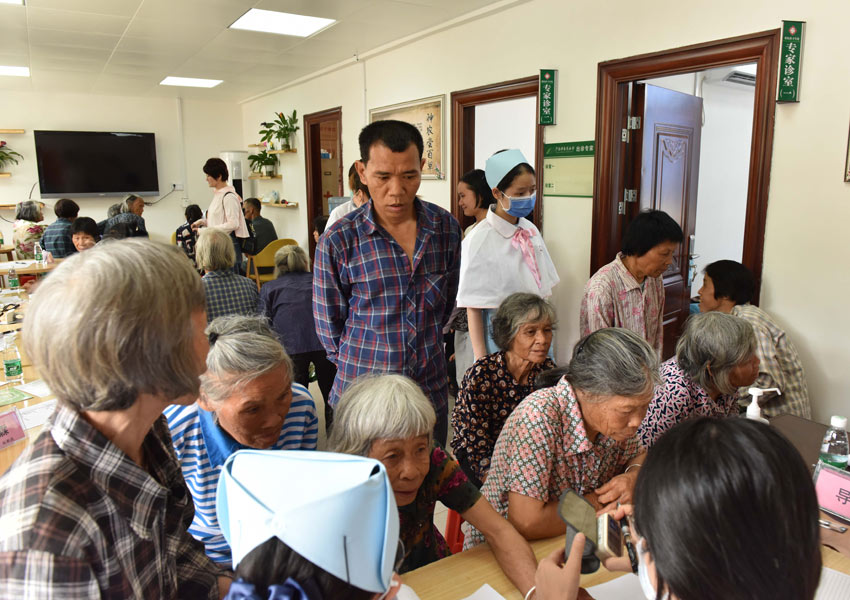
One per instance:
(790,61)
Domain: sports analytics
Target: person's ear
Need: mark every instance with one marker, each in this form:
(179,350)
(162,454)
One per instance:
(205,404)
(422,164)
(360,167)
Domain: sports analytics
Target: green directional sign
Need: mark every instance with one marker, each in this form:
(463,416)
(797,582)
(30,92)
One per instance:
(546,104)
(790,61)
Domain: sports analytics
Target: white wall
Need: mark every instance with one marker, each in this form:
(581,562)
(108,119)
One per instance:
(506,124)
(806,280)
(209,127)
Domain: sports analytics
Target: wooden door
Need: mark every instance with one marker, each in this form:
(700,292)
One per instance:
(314,124)
(665,169)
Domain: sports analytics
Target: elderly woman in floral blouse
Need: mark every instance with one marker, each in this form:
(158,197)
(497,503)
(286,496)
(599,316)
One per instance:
(714,357)
(496,383)
(27,230)
(580,434)
(387,417)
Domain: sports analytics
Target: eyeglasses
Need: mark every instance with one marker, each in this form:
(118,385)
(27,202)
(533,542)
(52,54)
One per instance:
(7,307)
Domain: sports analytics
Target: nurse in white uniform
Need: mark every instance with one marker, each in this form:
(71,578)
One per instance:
(505,253)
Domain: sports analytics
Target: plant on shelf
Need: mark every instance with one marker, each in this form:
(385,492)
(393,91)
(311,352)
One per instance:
(263,162)
(7,155)
(281,129)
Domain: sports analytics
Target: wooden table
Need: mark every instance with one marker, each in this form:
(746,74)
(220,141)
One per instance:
(26,268)
(460,575)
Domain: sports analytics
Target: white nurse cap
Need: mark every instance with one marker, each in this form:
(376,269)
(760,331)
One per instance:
(336,510)
(500,164)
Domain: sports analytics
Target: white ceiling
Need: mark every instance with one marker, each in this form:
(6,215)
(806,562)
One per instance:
(126,47)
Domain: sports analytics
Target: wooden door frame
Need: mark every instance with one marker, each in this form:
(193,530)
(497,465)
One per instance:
(317,118)
(761,48)
(464,125)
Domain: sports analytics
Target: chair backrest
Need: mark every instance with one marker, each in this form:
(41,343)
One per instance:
(265,258)
(174,238)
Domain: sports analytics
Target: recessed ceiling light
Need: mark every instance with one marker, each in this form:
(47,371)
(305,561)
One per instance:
(15,71)
(11,1)
(270,21)
(190,82)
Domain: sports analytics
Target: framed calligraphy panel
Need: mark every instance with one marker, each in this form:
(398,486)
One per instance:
(427,116)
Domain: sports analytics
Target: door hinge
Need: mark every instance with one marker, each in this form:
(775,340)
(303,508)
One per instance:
(634,123)
(629,195)
(624,136)
(621,208)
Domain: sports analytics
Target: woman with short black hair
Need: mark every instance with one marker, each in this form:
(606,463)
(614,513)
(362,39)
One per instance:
(225,211)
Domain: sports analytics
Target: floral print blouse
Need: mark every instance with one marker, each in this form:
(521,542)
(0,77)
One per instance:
(678,399)
(487,397)
(25,234)
(445,482)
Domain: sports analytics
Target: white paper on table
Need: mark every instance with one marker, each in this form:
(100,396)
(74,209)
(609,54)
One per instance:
(35,388)
(405,592)
(18,264)
(485,592)
(834,585)
(626,587)
(35,416)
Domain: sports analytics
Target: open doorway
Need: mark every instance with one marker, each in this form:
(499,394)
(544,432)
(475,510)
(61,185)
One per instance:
(323,148)
(648,155)
(490,118)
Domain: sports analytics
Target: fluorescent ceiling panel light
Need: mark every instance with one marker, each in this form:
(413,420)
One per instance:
(270,21)
(190,82)
(15,71)
(18,2)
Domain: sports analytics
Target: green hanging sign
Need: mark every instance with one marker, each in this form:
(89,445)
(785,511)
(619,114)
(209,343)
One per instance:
(790,61)
(546,95)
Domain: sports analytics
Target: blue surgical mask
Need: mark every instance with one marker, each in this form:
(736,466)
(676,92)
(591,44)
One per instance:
(520,207)
(643,574)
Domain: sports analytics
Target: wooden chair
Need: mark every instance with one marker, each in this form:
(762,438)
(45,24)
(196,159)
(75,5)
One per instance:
(266,259)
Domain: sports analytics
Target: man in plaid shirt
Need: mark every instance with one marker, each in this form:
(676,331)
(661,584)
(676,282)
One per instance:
(96,506)
(728,287)
(386,274)
(57,236)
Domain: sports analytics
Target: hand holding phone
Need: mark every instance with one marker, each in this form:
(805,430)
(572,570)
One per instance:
(603,534)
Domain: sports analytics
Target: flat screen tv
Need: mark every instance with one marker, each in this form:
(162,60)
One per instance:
(77,164)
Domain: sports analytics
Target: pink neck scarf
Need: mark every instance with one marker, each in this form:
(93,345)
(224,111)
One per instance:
(521,240)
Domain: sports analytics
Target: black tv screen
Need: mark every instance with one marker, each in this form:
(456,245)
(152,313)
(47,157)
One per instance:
(95,163)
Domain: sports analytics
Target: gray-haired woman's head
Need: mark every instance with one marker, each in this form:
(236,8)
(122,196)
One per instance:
(515,311)
(29,210)
(380,407)
(613,362)
(242,348)
(711,346)
(114,210)
(214,250)
(290,259)
(103,328)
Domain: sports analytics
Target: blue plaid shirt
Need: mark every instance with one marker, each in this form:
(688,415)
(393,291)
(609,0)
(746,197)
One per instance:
(57,239)
(375,313)
(229,294)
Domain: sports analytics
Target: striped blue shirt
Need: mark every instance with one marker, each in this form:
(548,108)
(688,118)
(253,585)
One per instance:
(202,447)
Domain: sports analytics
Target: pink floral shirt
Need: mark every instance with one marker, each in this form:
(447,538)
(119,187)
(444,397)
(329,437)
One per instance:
(614,298)
(25,234)
(544,449)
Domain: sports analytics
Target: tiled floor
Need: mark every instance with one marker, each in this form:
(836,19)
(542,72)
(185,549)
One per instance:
(440,511)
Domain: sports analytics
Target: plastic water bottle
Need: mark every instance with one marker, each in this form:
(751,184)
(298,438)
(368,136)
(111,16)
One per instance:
(12,368)
(834,450)
(14,283)
(39,254)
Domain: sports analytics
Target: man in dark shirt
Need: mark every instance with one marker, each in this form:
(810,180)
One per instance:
(57,236)
(130,215)
(263,228)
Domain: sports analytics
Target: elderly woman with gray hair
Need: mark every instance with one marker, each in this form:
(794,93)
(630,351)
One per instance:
(496,383)
(388,417)
(96,506)
(247,400)
(287,301)
(27,232)
(715,356)
(227,293)
(579,434)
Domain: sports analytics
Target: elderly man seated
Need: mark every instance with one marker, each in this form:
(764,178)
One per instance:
(96,506)
(728,287)
(579,434)
(714,357)
(496,383)
(227,292)
(388,417)
(248,400)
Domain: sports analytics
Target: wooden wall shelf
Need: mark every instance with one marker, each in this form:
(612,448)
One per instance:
(265,177)
(5,174)
(290,151)
(12,131)
(279,205)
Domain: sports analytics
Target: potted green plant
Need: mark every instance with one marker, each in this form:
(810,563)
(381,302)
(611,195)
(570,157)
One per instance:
(263,162)
(7,155)
(281,129)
